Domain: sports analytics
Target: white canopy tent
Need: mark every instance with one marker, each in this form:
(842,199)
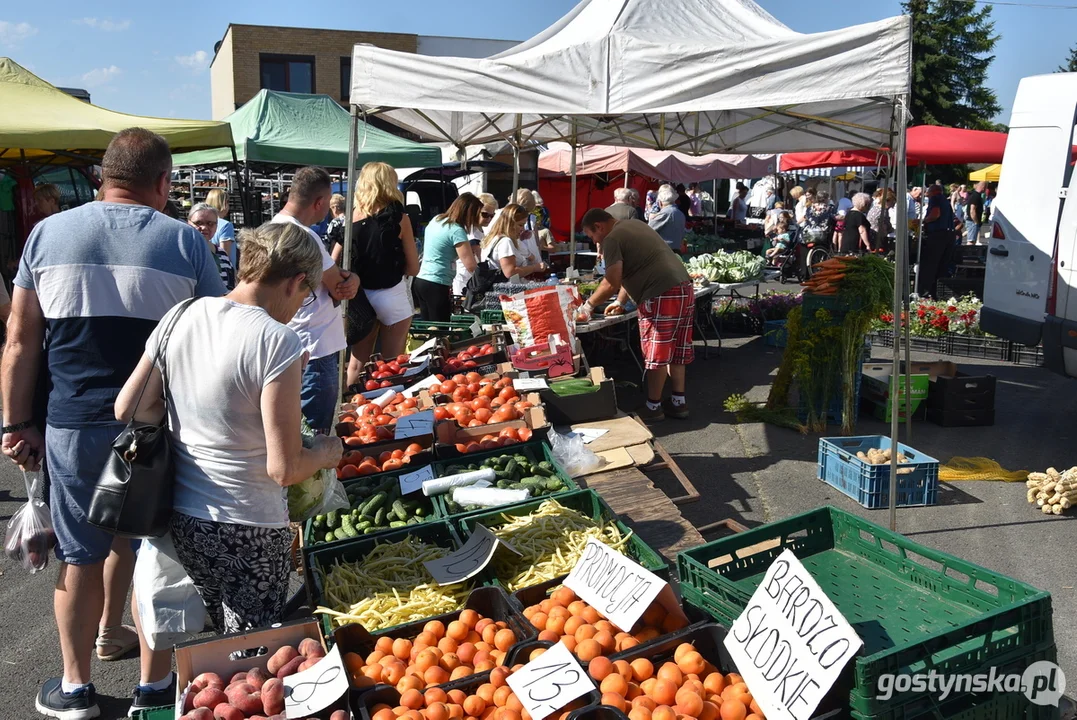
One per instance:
(696,76)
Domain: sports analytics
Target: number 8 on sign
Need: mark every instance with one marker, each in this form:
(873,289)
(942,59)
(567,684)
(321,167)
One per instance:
(550,682)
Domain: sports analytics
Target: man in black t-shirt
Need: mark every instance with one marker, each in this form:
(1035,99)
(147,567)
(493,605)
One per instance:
(974,213)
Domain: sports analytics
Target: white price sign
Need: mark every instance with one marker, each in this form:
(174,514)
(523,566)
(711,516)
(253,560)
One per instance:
(547,684)
(408,372)
(616,586)
(414,425)
(790,644)
(423,350)
(316,688)
(413,481)
(421,385)
(469,560)
(522,384)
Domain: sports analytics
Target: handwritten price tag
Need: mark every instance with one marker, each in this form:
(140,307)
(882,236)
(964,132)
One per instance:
(526,384)
(417,369)
(413,481)
(424,349)
(421,385)
(414,425)
(613,584)
(317,687)
(547,684)
(469,560)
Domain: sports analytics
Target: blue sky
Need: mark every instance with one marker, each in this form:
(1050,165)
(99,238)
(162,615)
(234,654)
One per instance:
(151,58)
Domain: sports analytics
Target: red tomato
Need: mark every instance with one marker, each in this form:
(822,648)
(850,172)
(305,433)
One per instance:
(413,449)
(392,464)
(352,457)
(473,377)
(371,385)
(397,454)
(352,441)
(487,350)
(385,384)
(379,364)
(464,357)
(488,391)
(511,433)
(448,387)
(441,413)
(441,378)
(347,472)
(461,395)
(410,402)
(525,434)
(403,359)
(480,402)
(470,364)
(394,368)
(473,447)
(474,422)
(488,444)
(384,456)
(368,469)
(385,433)
(461,448)
(459,379)
(472,349)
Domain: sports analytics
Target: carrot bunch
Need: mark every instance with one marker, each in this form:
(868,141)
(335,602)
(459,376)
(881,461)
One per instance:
(827,276)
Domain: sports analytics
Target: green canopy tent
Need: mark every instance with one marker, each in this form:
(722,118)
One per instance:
(278,129)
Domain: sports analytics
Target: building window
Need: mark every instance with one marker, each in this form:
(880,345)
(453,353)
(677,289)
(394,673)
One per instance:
(345,79)
(288,73)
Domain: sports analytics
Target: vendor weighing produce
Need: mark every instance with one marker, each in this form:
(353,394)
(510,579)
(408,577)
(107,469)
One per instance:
(637,257)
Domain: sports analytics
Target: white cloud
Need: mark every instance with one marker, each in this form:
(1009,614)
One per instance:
(197,61)
(100,76)
(11,33)
(105,25)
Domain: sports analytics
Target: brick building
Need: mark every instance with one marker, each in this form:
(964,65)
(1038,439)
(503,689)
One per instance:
(309,60)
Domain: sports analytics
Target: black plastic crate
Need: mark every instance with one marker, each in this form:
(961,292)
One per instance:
(977,346)
(962,392)
(490,602)
(956,287)
(1024,355)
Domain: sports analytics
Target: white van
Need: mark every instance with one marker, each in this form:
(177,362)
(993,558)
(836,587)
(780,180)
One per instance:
(1030,291)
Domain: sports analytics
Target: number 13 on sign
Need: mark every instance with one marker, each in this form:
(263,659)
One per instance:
(549,683)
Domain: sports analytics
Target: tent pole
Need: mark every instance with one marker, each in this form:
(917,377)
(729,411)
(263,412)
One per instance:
(345,260)
(901,240)
(572,203)
(516,159)
(714,201)
(626,178)
(239,183)
(905,259)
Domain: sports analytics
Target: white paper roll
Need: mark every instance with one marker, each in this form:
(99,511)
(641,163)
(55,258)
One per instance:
(488,497)
(437,486)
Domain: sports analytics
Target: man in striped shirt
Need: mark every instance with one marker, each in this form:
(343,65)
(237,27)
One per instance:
(97,278)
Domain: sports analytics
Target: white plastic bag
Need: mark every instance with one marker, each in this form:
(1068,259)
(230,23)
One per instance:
(573,455)
(169,607)
(30,536)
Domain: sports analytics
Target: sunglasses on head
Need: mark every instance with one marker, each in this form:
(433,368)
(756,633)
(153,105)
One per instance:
(486,214)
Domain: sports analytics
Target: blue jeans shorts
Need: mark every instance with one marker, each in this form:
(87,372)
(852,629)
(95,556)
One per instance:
(75,458)
(320,392)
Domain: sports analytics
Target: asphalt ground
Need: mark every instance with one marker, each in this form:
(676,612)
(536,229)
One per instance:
(752,473)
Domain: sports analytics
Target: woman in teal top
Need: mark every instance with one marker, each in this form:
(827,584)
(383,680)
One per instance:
(445,242)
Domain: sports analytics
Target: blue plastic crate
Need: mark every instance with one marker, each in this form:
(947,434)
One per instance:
(774,333)
(869,484)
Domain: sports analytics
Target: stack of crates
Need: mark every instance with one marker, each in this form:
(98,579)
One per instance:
(916,609)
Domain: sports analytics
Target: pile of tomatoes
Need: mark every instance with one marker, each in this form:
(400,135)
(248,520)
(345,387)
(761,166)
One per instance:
(363,422)
(380,371)
(355,464)
(468,358)
(508,436)
(473,400)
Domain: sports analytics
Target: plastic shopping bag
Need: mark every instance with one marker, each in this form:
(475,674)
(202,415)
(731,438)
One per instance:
(319,493)
(571,453)
(169,607)
(30,536)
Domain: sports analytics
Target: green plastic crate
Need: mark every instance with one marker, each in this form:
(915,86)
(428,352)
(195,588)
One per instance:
(167,712)
(536,451)
(916,608)
(460,327)
(589,503)
(492,317)
(438,532)
(375,480)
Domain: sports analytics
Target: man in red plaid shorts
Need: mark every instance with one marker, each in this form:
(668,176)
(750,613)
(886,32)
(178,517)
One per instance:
(656,279)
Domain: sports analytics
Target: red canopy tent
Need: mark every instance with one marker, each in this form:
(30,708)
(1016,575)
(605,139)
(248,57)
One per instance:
(926,144)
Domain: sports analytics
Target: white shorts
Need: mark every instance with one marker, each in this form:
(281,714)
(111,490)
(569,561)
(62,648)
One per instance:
(391,305)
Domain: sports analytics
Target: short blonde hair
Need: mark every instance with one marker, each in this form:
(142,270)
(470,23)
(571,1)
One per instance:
(376,188)
(279,251)
(796,192)
(488,199)
(218,200)
(337,202)
(525,199)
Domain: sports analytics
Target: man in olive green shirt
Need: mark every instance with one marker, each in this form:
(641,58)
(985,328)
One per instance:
(638,259)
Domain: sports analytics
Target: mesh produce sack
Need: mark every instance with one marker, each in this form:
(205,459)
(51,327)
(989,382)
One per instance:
(533,315)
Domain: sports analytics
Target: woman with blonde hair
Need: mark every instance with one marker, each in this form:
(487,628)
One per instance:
(233,459)
(225,237)
(334,232)
(501,247)
(383,253)
(47,199)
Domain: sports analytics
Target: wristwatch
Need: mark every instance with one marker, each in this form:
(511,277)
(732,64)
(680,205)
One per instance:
(18,427)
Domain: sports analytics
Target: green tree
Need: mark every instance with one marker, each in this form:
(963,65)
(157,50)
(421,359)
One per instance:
(953,41)
(1071,64)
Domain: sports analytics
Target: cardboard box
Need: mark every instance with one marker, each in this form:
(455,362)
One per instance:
(570,409)
(227,654)
(875,386)
(532,364)
(447,433)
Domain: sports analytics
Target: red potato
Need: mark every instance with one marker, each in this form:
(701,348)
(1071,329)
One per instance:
(273,696)
(257,677)
(224,711)
(281,658)
(245,698)
(199,714)
(291,668)
(310,647)
(210,698)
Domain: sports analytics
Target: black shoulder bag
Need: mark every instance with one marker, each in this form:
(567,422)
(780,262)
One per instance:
(133,497)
